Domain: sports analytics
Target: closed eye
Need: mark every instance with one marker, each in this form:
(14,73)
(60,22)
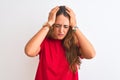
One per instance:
(57,25)
(66,26)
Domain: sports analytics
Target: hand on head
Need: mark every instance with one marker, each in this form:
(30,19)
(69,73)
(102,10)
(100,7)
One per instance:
(72,17)
(52,16)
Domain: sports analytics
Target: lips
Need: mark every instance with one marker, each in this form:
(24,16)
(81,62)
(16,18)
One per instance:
(60,34)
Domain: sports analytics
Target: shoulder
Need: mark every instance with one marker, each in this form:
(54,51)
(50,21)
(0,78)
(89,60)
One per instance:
(46,40)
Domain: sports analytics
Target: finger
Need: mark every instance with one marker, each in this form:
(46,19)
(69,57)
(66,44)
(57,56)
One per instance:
(68,9)
(69,13)
(55,9)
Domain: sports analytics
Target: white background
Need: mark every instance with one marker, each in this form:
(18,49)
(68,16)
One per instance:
(99,20)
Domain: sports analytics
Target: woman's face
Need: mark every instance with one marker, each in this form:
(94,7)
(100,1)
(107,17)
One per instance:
(61,27)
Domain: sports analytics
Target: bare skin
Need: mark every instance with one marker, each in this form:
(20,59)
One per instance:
(61,27)
(32,48)
(86,47)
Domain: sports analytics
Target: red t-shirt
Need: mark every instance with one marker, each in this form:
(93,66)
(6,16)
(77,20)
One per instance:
(53,64)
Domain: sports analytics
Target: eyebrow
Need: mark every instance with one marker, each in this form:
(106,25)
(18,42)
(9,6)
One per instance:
(61,24)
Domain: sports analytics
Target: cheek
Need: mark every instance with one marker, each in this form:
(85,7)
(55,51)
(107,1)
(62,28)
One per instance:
(55,31)
(67,30)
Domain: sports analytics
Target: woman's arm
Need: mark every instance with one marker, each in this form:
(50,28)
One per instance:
(32,48)
(86,47)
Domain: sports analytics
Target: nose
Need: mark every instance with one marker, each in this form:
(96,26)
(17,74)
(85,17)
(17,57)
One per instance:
(61,30)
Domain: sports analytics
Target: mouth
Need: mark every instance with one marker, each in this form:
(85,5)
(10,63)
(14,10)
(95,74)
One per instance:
(61,35)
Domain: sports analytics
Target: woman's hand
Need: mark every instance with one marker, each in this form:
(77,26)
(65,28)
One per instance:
(52,15)
(72,17)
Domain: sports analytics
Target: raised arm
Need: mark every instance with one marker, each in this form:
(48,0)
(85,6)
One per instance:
(32,48)
(86,47)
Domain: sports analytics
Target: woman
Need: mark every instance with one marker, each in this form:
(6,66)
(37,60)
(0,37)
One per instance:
(60,45)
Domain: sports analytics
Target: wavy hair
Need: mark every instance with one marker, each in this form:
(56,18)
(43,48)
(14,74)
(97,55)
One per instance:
(70,43)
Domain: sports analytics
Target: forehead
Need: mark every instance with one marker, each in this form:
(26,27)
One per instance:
(61,19)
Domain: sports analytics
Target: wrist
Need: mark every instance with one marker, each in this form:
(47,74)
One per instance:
(74,28)
(50,24)
(47,25)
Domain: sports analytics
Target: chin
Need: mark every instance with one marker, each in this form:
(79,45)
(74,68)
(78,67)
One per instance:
(60,38)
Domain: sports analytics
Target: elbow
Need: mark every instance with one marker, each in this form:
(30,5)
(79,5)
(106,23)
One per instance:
(29,52)
(91,55)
